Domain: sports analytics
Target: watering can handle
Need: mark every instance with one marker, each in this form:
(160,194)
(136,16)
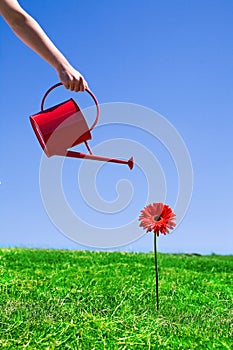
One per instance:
(90,93)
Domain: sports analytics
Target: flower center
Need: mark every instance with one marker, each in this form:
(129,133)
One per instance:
(157,218)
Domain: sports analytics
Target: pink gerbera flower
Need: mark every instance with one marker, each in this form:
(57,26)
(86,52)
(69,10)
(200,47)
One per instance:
(157,217)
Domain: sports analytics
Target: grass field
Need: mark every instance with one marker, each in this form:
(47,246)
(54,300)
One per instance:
(98,300)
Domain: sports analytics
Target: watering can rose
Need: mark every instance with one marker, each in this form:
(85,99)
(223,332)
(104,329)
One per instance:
(157,217)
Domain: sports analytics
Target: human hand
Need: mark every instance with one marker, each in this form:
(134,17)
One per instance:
(71,78)
(29,31)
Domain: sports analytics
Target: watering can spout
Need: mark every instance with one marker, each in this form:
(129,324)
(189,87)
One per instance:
(73,154)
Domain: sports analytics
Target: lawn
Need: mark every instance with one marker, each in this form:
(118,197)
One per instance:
(57,299)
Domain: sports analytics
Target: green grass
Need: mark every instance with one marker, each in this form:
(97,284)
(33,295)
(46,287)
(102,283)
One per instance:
(97,300)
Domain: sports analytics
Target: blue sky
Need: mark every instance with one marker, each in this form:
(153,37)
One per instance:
(173,57)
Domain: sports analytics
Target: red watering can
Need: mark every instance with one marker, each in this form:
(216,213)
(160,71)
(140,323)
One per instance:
(63,126)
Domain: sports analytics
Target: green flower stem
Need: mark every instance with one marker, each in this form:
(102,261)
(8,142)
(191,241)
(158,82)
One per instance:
(156,270)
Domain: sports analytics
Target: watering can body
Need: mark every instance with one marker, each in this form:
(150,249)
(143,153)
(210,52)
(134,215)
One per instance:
(60,128)
(63,126)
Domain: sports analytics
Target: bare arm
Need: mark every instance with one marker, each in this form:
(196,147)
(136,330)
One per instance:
(29,31)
